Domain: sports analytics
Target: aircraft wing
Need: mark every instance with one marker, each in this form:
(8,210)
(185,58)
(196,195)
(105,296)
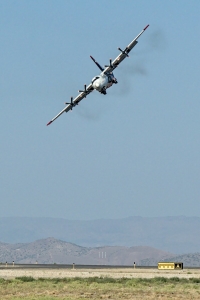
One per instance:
(83,94)
(123,54)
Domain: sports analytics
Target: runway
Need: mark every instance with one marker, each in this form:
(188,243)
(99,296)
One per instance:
(77,266)
(68,266)
(82,271)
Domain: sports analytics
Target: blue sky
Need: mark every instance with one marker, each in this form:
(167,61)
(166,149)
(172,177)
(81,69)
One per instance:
(133,152)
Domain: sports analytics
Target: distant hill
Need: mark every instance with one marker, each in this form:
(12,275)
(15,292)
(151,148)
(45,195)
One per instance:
(189,259)
(51,251)
(174,234)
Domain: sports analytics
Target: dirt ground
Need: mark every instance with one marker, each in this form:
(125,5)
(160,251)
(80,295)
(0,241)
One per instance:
(113,273)
(53,289)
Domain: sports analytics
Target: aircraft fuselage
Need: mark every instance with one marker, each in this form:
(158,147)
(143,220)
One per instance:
(103,82)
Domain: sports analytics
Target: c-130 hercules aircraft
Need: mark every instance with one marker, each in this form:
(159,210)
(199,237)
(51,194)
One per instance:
(104,80)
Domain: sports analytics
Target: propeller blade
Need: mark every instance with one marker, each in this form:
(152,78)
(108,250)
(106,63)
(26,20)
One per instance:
(71,103)
(85,90)
(110,64)
(123,51)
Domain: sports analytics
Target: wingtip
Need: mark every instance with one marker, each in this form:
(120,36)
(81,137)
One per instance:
(49,123)
(146,27)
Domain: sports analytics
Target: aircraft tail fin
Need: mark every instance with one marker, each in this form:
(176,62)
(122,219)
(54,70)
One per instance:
(98,65)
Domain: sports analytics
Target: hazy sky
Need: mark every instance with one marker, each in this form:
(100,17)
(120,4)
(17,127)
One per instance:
(135,151)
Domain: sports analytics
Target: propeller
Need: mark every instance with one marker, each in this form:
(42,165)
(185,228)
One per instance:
(85,90)
(111,65)
(71,103)
(123,51)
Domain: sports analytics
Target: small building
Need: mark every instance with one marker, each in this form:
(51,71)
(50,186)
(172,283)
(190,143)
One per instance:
(170,266)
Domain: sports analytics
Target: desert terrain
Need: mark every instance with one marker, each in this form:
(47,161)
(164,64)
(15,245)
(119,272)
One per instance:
(114,284)
(14,272)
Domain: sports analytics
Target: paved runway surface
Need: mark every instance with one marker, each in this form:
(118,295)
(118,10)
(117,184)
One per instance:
(68,266)
(70,271)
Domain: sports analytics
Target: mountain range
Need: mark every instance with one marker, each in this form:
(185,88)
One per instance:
(53,251)
(50,251)
(178,235)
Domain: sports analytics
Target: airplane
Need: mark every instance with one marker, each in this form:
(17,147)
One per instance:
(102,81)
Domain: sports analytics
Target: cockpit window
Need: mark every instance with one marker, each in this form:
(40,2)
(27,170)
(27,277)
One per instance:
(95,78)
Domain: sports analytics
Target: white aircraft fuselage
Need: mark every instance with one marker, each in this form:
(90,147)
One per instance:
(103,81)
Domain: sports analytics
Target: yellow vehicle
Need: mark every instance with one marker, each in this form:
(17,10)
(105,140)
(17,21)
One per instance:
(170,265)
